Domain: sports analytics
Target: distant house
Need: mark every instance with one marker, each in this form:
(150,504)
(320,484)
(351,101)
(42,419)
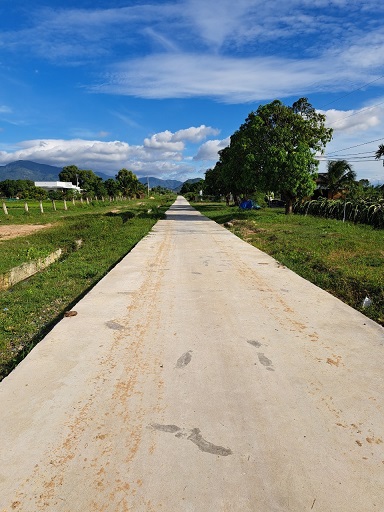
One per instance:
(62,186)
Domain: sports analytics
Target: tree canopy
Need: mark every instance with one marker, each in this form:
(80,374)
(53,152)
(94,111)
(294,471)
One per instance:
(87,180)
(23,189)
(274,149)
(128,183)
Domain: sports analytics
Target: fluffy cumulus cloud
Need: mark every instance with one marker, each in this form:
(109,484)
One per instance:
(169,141)
(161,154)
(163,142)
(209,151)
(357,134)
(194,134)
(351,121)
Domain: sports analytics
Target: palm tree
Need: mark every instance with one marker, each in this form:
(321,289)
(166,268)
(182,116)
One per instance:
(340,176)
(380,152)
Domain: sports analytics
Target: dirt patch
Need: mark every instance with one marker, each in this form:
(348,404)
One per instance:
(15,230)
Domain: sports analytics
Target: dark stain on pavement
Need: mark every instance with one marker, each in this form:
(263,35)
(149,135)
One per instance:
(206,446)
(184,359)
(195,437)
(165,428)
(254,343)
(265,361)
(114,325)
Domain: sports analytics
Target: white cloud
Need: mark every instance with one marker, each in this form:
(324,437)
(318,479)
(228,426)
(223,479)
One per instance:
(161,153)
(216,21)
(169,141)
(355,120)
(195,134)
(163,141)
(228,79)
(357,135)
(209,151)
(5,110)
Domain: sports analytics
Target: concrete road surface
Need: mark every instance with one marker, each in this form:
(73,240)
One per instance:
(198,375)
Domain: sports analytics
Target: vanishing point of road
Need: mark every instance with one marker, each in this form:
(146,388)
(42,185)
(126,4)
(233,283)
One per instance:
(200,375)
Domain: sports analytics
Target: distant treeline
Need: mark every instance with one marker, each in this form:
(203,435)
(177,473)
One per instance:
(124,184)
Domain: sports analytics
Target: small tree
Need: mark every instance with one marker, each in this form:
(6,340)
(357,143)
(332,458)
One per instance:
(128,183)
(340,177)
(380,152)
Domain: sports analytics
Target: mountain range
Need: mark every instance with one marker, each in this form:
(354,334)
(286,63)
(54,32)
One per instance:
(28,170)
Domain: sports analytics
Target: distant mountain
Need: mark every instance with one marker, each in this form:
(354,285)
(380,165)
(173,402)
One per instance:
(27,170)
(157,182)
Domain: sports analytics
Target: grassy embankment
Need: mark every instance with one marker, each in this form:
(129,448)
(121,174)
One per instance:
(108,231)
(345,259)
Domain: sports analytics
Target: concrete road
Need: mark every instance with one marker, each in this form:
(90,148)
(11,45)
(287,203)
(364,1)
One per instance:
(198,375)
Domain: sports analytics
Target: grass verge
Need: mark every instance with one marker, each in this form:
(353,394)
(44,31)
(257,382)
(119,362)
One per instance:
(31,308)
(345,259)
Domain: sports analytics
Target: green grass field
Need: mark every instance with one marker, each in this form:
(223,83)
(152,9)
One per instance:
(107,233)
(345,259)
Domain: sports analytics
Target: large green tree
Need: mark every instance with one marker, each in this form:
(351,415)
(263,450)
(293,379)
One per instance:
(275,150)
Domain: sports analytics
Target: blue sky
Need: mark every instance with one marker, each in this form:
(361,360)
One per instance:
(159,87)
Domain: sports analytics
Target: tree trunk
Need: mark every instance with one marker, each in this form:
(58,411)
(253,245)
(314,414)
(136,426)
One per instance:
(289,199)
(288,206)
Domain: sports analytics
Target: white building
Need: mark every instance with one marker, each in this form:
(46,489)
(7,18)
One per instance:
(57,185)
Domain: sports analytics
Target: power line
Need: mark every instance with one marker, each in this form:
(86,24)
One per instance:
(354,90)
(357,145)
(325,159)
(356,113)
(361,153)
